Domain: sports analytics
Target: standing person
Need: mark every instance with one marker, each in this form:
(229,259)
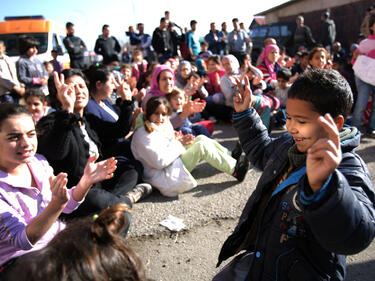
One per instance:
(224,47)
(161,41)
(10,88)
(193,41)
(145,45)
(327,31)
(237,40)
(31,196)
(107,46)
(366,47)
(302,35)
(213,39)
(75,46)
(314,203)
(30,69)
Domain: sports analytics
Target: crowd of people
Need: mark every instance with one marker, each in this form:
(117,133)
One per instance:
(142,120)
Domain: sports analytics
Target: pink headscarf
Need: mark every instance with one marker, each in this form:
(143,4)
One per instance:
(155,90)
(264,56)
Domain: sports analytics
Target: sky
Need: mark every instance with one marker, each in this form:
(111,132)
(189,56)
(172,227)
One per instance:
(89,16)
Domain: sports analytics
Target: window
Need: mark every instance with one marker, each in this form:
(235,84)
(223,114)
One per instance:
(11,42)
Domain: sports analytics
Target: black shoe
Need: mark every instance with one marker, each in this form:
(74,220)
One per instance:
(237,151)
(241,168)
(140,191)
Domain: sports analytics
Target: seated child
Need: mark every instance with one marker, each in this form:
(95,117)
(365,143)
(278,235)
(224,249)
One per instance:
(281,92)
(169,157)
(99,253)
(314,203)
(139,65)
(195,87)
(36,103)
(177,100)
(31,197)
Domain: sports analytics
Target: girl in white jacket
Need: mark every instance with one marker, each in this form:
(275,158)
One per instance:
(168,157)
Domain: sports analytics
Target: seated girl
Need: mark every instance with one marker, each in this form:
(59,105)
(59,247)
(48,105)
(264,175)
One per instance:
(31,197)
(269,66)
(169,157)
(318,57)
(162,84)
(99,253)
(36,103)
(177,99)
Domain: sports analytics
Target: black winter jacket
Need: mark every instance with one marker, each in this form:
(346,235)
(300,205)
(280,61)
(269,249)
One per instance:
(61,140)
(300,237)
(108,47)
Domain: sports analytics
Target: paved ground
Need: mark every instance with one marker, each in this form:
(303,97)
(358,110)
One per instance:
(210,213)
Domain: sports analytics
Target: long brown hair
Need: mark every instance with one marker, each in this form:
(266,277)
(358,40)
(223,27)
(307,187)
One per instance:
(88,249)
(151,106)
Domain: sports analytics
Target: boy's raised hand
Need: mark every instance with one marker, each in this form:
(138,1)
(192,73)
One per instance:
(324,156)
(242,99)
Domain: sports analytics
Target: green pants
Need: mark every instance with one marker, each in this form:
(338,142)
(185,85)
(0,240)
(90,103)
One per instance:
(204,148)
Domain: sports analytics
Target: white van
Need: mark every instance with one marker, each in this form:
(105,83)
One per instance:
(49,35)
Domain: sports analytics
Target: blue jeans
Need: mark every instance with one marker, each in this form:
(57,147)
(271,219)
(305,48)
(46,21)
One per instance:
(364,91)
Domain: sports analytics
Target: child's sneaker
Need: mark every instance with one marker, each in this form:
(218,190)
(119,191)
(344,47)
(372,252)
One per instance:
(237,151)
(140,191)
(241,168)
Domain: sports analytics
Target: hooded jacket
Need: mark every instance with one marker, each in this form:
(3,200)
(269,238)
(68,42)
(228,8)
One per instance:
(291,233)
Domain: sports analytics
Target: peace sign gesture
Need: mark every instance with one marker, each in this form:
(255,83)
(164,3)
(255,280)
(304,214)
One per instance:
(65,93)
(244,97)
(123,88)
(324,156)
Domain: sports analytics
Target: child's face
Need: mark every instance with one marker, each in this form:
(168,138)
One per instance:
(138,58)
(212,66)
(126,72)
(35,106)
(177,101)
(194,81)
(226,65)
(18,142)
(160,115)
(302,124)
(282,83)
(318,60)
(49,68)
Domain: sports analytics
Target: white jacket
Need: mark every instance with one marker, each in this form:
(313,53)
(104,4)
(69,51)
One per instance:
(159,152)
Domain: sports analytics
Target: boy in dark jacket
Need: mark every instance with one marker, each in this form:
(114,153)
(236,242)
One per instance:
(314,203)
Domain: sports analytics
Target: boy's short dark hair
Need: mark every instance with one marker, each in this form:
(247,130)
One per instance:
(195,75)
(284,74)
(326,90)
(215,58)
(105,26)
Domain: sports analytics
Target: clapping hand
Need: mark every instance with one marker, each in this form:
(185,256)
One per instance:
(58,188)
(324,156)
(96,172)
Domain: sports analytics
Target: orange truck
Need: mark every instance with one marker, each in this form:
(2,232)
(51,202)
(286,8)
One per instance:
(49,35)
